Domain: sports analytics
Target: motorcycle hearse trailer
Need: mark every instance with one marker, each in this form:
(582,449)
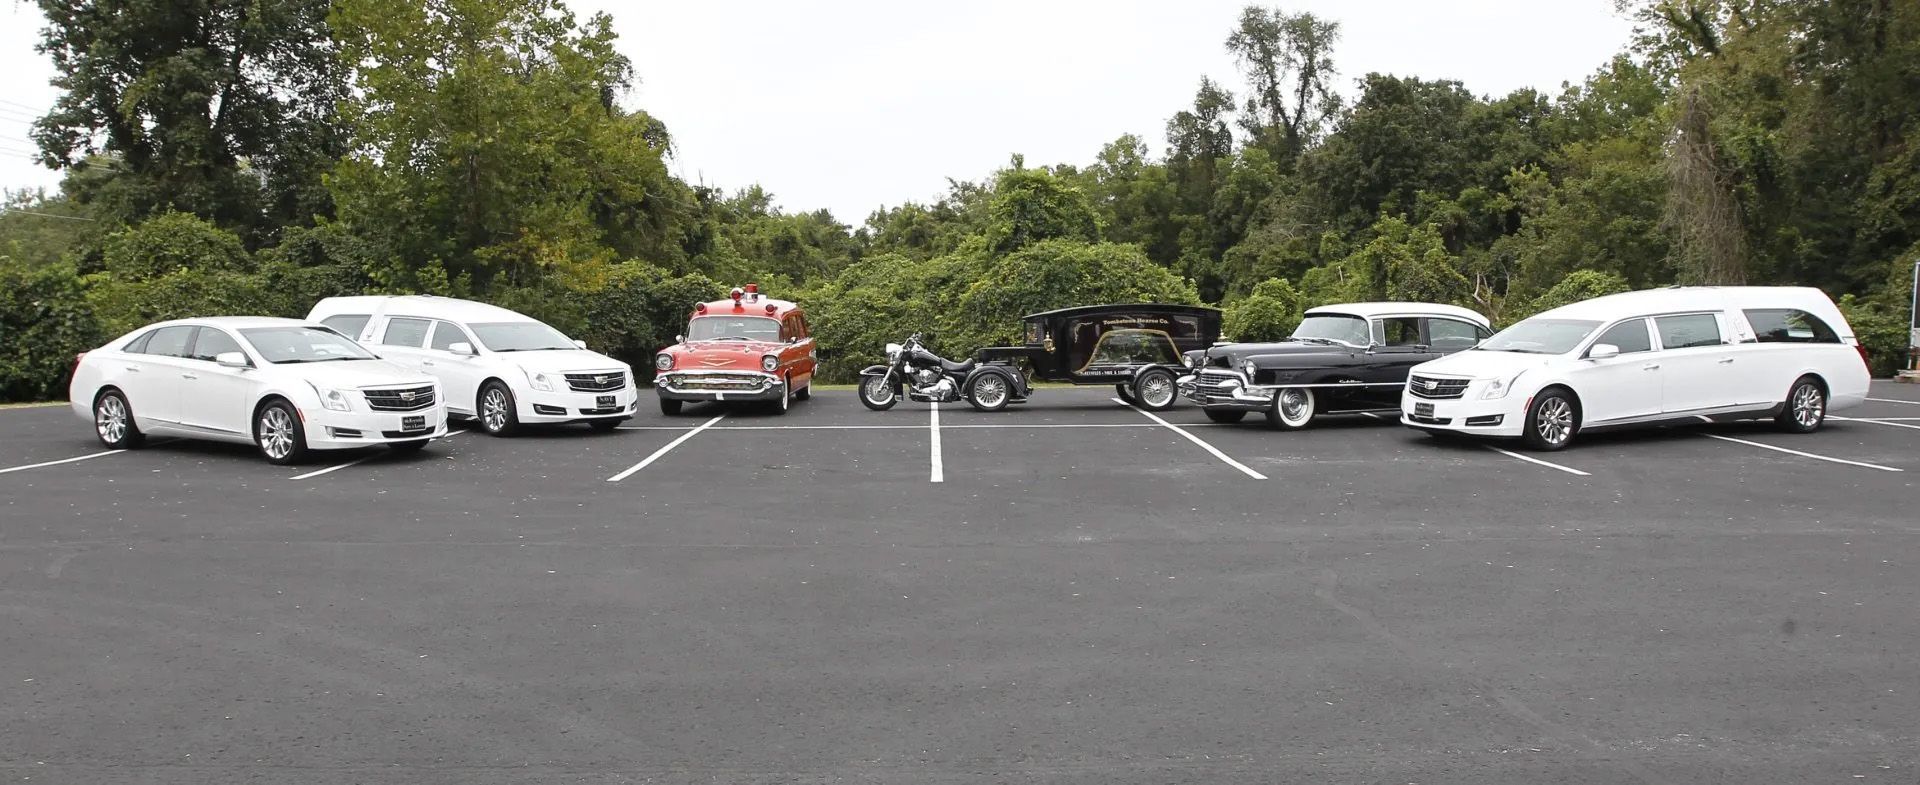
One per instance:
(1135,347)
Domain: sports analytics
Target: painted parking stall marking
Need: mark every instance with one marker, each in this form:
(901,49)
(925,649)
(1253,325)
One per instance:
(1537,461)
(1894,400)
(1224,458)
(658,454)
(938,472)
(1828,459)
(1887,421)
(357,461)
(43,464)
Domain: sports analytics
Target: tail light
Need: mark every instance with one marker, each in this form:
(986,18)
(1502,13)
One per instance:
(76,364)
(1864,359)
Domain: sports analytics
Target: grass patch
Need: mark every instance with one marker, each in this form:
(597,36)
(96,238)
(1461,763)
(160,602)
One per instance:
(33,405)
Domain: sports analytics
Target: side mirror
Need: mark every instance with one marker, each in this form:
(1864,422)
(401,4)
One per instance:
(1602,351)
(581,344)
(793,339)
(232,360)
(461,348)
(679,339)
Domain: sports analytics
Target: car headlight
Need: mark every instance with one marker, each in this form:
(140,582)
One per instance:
(331,398)
(663,362)
(769,362)
(1499,388)
(1248,367)
(540,381)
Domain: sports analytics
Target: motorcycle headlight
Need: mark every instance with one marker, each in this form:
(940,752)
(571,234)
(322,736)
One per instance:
(893,352)
(540,381)
(1499,388)
(769,362)
(663,362)
(331,398)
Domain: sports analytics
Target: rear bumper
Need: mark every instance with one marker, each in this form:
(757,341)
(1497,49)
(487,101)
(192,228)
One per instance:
(330,430)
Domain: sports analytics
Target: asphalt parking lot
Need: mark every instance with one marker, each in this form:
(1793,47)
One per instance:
(1070,591)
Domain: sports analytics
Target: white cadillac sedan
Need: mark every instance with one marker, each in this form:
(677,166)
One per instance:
(283,385)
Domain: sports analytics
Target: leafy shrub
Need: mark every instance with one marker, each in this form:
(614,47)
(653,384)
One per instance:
(641,309)
(1882,330)
(1269,314)
(169,243)
(122,305)
(44,321)
(1058,274)
(1577,286)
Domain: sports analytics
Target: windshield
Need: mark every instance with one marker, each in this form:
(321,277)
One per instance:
(294,344)
(1540,336)
(1333,327)
(519,337)
(733,328)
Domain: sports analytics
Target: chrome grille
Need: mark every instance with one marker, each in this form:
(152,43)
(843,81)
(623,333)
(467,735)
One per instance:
(1436,388)
(411,399)
(1213,384)
(597,382)
(721,382)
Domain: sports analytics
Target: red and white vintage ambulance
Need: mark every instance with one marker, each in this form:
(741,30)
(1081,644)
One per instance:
(748,347)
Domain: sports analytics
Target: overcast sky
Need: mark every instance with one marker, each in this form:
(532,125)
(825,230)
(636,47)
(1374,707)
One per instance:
(855,104)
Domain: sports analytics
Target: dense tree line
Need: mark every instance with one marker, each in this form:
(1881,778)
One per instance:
(252,156)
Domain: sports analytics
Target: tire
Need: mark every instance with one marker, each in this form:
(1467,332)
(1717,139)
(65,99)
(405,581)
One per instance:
(805,393)
(1226,416)
(605,426)
(878,394)
(406,448)
(671,408)
(1806,407)
(279,435)
(1552,421)
(1126,393)
(989,392)
(786,397)
(1292,409)
(499,415)
(1155,390)
(113,422)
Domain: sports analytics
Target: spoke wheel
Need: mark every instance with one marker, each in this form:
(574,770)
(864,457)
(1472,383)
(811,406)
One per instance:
(988,392)
(1292,409)
(1806,407)
(878,394)
(113,422)
(279,434)
(1552,422)
(1155,390)
(497,415)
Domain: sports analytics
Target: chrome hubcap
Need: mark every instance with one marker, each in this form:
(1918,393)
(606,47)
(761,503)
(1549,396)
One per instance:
(111,419)
(990,390)
(1554,421)
(1293,405)
(1808,407)
(1156,391)
(493,410)
(276,432)
(877,390)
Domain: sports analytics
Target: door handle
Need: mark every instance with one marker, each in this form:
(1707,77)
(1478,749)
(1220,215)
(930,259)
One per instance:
(133,369)
(1726,360)
(1650,367)
(188,376)
(426,362)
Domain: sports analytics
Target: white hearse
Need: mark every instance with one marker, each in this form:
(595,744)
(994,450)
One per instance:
(496,366)
(1658,356)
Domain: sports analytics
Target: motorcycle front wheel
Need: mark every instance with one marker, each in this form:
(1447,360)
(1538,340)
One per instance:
(878,394)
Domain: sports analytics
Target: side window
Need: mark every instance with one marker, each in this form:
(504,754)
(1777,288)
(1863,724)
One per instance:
(445,335)
(1452,335)
(213,343)
(347,324)
(800,319)
(1399,331)
(1683,332)
(1630,336)
(138,345)
(170,341)
(403,331)
(1788,325)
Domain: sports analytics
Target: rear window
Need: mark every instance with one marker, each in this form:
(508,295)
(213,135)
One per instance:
(347,324)
(1789,325)
(1685,332)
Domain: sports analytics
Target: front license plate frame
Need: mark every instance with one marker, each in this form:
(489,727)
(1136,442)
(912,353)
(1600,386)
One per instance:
(413,422)
(1423,410)
(603,402)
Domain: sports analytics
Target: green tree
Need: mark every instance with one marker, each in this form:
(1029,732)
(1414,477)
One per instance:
(1288,62)
(173,242)
(1269,314)
(1577,286)
(1032,205)
(44,321)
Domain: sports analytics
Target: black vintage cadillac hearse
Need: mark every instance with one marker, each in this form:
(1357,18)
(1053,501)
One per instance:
(1135,347)
(1341,359)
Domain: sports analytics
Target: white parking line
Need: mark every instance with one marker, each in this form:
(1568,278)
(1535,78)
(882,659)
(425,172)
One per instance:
(360,460)
(1533,460)
(1196,440)
(939,472)
(1802,454)
(664,450)
(948,427)
(1887,422)
(1895,400)
(11,469)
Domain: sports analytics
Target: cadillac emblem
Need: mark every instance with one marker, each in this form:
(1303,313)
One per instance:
(600,380)
(1432,385)
(406,395)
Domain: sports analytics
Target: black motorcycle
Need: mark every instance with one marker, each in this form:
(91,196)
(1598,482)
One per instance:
(921,375)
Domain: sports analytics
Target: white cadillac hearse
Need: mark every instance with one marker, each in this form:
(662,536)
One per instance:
(1663,355)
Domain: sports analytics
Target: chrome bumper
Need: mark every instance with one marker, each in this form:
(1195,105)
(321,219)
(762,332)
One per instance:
(718,385)
(1230,391)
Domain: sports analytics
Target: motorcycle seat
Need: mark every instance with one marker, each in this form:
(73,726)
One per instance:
(953,367)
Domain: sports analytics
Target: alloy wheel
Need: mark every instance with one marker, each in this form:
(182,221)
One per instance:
(1809,407)
(493,410)
(276,433)
(1554,420)
(110,419)
(990,391)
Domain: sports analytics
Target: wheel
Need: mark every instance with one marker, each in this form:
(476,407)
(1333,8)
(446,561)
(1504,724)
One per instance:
(407,448)
(1551,421)
(1226,415)
(498,416)
(604,426)
(804,393)
(279,434)
(1126,393)
(878,394)
(670,408)
(1806,407)
(988,392)
(1154,390)
(113,422)
(786,397)
(1292,409)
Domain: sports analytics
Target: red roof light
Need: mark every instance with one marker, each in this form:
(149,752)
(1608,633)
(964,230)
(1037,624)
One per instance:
(770,308)
(699,307)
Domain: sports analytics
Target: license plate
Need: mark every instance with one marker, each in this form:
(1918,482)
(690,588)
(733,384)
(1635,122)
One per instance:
(1423,410)
(603,402)
(414,423)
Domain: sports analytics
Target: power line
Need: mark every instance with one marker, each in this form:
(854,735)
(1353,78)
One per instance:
(21,105)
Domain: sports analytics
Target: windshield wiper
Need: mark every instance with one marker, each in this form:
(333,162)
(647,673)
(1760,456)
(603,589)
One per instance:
(1310,339)
(536,349)
(298,360)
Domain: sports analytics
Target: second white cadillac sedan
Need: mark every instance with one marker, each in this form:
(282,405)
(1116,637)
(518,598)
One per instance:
(283,385)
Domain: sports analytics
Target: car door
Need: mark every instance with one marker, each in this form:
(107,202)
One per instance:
(213,396)
(151,379)
(1623,387)
(459,374)
(1398,345)
(1694,360)
(800,351)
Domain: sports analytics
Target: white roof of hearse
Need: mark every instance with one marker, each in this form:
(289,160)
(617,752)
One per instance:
(1371,310)
(426,305)
(1680,299)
